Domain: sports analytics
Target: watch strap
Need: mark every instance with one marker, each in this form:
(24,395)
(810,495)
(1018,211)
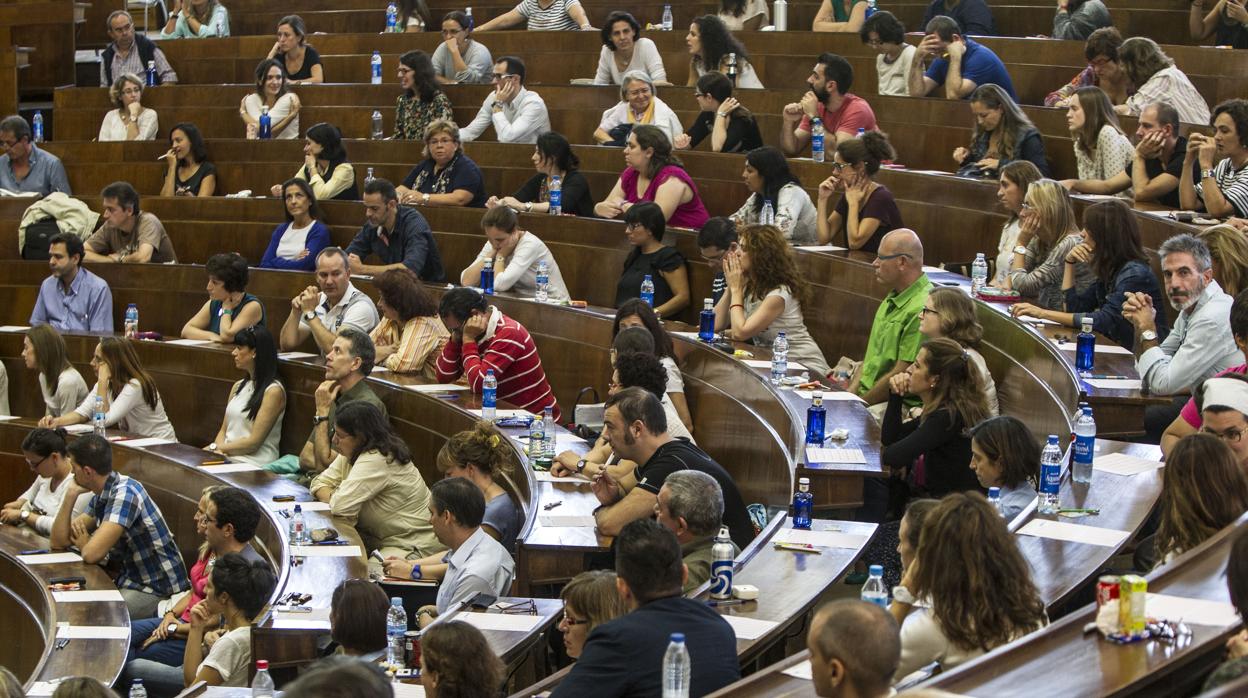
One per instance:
(1148,336)
(580,465)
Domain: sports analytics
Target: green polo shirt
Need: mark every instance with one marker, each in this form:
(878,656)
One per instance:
(894,332)
(360,391)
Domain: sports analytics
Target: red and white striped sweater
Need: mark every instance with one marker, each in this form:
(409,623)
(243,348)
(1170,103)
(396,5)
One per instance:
(513,356)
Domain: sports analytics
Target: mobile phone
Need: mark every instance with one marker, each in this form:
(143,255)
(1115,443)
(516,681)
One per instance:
(283,497)
(376,555)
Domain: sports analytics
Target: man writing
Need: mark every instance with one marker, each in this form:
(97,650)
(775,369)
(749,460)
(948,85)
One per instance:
(321,311)
(960,64)
(398,236)
(23,166)
(1157,165)
(691,505)
(829,100)
(518,115)
(72,299)
(348,363)
(129,235)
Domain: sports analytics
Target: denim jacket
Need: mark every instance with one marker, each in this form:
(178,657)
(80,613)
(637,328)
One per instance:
(1104,305)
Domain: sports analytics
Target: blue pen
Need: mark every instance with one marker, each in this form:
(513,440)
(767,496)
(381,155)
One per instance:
(448,396)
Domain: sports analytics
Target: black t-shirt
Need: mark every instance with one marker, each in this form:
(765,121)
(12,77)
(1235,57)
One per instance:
(1233,34)
(679,454)
(310,58)
(1174,167)
(577,199)
(637,265)
(742,134)
(190,185)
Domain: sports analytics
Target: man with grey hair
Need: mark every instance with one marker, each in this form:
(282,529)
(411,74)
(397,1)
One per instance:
(639,104)
(23,166)
(855,648)
(1200,343)
(350,359)
(322,311)
(130,53)
(691,505)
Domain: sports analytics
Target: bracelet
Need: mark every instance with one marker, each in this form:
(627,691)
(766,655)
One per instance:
(721,114)
(737,305)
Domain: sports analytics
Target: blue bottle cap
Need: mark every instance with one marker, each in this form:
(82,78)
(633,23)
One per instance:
(396,601)
(876,570)
(678,637)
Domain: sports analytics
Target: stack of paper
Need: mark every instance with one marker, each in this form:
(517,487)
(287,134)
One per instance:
(1122,464)
(1074,533)
(841,456)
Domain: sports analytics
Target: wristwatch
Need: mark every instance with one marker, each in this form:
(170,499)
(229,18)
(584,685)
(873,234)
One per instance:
(309,316)
(1207,174)
(171,628)
(316,421)
(425,198)
(580,466)
(903,595)
(26,512)
(1148,336)
(1020,249)
(528,206)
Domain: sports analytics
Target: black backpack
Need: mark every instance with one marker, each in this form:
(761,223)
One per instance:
(38,236)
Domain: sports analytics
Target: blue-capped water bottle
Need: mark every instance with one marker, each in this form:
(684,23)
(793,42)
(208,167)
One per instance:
(1050,476)
(556,195)
(1084,448)
(1085,348)
(677,671)
(99,417)
(298,530)
(647,290)
(151,73)
(36,126)
(816,139)
(489,396)
(468,13)
(487,278)
(265,131)
(392,18)
(722,554)
(871,9)
(779,358)
(543,281)
(816,420)
(874,591)
(132,321)
(803,504)
(706,321)
(994,500)
(376,67)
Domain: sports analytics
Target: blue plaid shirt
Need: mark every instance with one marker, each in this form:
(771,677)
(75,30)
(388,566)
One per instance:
(150,560)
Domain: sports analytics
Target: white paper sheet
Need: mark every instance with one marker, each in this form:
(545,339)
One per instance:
(13,328)
(1036,320)
(1191,611)
(144,443)
(326,551)
(820,248)
(296,355)
(820,539)
(7,417)
(78,428)
(1074,533)
(1115,383)
(87,596)
(92,632)
(508,413)
(229,468)
(688,335)
(831,396)
(39,689)
(1101,348)
(408,690)
(1123,464)
(799,671)
(509,622)
(50,558)
(303,506)
(756,363)
(835,455)
(316,618)
(188,342)
(748,628)
(567,520)
(437,388)
(545,476)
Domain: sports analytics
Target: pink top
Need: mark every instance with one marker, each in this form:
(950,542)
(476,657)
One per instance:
(855,113)
(689,215)
(199,585)
(1190,414)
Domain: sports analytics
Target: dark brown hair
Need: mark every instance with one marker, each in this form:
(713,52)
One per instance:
(402,290)
(1116,235)
(123,365)
(1009,443)
(1203,490)
(461,658)
(357,616)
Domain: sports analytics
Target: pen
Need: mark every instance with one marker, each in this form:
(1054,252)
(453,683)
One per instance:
(1079,511)
(448,396)
(552,505)
(798,548)
(331,542)
(1106,376)
(213,462)
(726,602)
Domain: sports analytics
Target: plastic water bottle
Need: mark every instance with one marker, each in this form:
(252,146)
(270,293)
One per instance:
(768,215)
(99,417)
(979,273)
(543,281)
(548,436)
(706,321)
(861,132)
(137,690)
(731,72)
(667,18)
(816,419)
(262,685)
(1085,447)
(871,9)
(487,278)
(676,668)
(396,629)
(489,396)
(468,12)
(803,504)
(37,126)
(298,529)
(265,130)
(779,358)
(1085,348)
(132,321)
(1050,476)
(368,178)
(376,62)
(537,441)
(647,290)
(556,195)
(378,132)
(994,498)
(780,15)
(151,73)
(220,28)
(722,554)
(816,139)
(874,591)
(392,18)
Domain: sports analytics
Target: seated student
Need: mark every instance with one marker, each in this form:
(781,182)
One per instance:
(842,113)
(357,619)
(423,101)
(325,166)
(766,294)
(589,600)
(226,519)
(189,171)
(130,52)
(1155,164)
(347,363)
(885,34)
(460,59)
(649,578)
(867,210)
(712,48)
(1192,417)
(1204,487)
(61,384)
(72,299)
(1002,134)
(639,104)
(1077,19)
(902,540)
(950,312)
(323,310)
(410,336)
(1004,454)
(732,127)
(447,176)
(1105,70)
(634,363)
(769,181)
(1046,237)
(653,173)
(399,237)
(122,523)
(843,16)
(1224,23)
(691,506)
(1222,189)
(517,114)
(1012,187)
(624,50)
(297,243)
(481,455)
(637,313)
(1112,249)
(131,400)
(635,427)
(43,171)
(128,235)
(273,93)
(961,64)
(1229,250)
(552,157)
(373,486)
(198,19)
(456,660)
(716,239)
(297,57)
(230,309)
(952,394)
(644,228)
(965,552)
(854,650)
(1234,666)
(972,17)
(251,428)
(515,254)
(1157,79)
(1101,148)
(483,338)
(559,15)
(743,15)
(334,677)
(130,121)
(45,452)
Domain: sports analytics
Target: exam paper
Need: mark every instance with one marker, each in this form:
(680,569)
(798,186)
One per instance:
(295,355)
(50,558)
(508,413)
(87,595)
(187,342)
(144,443)
(834,455)
(1074,533)
(78,428)
(1191,611)
(748,628)
(820,539)
(1100,348)
(13,328)
(831,396)
(1123,464)
(326,551)
(820,248)
(437,388)
(92,632)
(228,468)
(316,618)
(408,690)
(545,476)
(303,506)
(567,520)
(799,671)
(509,622)
(1115,383)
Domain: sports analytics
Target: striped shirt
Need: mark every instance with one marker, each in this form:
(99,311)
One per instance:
(553,18)
(1232,183)
(510,351)
(149,557)
(418,341)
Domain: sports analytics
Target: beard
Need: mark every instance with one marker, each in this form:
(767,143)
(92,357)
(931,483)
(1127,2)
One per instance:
(821,93)
(1186,301)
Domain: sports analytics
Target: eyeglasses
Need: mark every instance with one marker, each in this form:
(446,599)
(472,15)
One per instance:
(699,94)
(202,516)
(500,76)
(925,311)
(566,620)
(519,608)
(39,463)
(838,166)
(886,257)
(1231,436)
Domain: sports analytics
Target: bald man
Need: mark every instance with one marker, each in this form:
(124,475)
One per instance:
(855,648)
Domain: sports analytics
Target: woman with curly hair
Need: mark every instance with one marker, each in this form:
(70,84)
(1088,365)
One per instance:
(1203,487)
(457,662)
(968,590)
(712,48)
(765,296)
(423,101)
(483,456)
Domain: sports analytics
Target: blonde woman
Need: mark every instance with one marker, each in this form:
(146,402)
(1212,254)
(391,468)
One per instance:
(1229,249)
(1102,150)
(1048,233)
(589,600)
(949,312)
(130,121)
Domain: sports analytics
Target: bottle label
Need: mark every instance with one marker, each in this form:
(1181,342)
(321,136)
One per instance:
(1050,478)
(721,578)
(1084,446)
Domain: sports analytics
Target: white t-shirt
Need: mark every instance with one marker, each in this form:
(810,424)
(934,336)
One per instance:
(294,241)
(747,78)
(675,381)
(41,496)
(894,78)
(796,215)
(646,58)
(280,110)
(519,273)
(675,427)
(238,426)
(802,347)
(231,657)
(113,129)
(128,411)
(1005,249)
(990,384)
(71,390)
